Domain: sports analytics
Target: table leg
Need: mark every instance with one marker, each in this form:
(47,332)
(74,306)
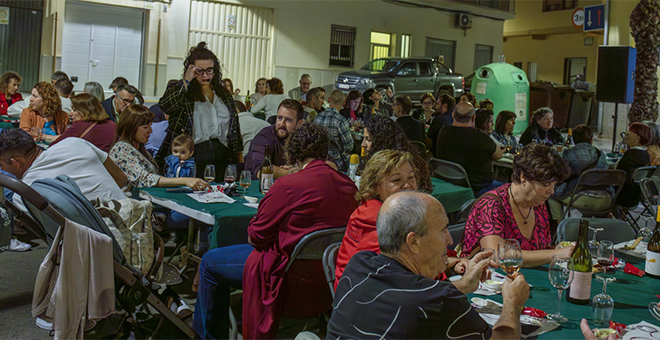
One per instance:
(191,235)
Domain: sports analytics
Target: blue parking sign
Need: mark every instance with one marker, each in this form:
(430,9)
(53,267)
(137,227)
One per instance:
(594,18)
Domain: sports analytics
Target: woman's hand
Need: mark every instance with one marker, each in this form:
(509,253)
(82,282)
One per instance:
(190,73)
(237,91)
(197,184)
(565,251)
(389,92)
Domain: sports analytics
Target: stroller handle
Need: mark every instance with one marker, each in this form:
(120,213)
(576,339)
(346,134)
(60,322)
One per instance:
(24,190)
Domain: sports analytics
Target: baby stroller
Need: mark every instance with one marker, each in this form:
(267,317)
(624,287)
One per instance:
(50,203)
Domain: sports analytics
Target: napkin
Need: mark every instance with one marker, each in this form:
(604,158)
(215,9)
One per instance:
(640,250)
(211,197)
(642,330)
(490,311)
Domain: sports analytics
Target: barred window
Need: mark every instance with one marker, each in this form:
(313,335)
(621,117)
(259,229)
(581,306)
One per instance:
(342,46)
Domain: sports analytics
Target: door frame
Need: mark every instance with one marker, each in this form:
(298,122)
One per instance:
(143,32)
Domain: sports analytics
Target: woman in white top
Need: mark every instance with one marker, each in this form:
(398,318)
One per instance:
(135,161)
(259,91)
(271,101)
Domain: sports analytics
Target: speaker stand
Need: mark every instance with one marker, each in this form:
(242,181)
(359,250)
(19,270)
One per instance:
(616,118)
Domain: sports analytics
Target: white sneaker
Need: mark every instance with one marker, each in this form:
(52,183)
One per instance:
(16,245)
(43,324)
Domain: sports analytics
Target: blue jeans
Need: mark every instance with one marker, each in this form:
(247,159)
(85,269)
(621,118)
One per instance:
(493,185)
(220,270)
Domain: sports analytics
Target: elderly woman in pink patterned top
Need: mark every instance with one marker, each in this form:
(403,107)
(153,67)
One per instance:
(517,210)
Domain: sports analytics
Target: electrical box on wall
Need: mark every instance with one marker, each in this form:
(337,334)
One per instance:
(463,20)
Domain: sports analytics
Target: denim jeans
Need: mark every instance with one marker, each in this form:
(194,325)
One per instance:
(220,270)
(493,185)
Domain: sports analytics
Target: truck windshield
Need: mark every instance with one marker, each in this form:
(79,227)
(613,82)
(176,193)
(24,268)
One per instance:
(384,65)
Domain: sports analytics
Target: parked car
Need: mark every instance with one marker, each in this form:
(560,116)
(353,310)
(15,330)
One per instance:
(406,76)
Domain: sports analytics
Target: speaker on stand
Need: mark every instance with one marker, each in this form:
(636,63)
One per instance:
(616,78)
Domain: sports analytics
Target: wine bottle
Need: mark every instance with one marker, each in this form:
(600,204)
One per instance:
(568,142)
(579,292)
(248,104)
(266,179)
(652,266)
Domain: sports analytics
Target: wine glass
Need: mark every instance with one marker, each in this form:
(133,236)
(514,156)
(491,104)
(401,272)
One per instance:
(645,232)
(230,174)
(246,180)
(560,275)
(593,244)
(603,304)
(509,256)
(35,132)
(209,173)
(605,253)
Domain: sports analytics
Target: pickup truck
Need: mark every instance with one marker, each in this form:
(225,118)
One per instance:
(406,76)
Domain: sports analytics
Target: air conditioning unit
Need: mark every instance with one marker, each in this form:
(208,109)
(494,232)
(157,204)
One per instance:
(463,20)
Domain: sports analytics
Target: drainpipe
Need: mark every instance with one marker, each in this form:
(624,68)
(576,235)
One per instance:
(606,36)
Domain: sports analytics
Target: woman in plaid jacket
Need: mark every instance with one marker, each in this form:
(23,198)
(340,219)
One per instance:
(199,106)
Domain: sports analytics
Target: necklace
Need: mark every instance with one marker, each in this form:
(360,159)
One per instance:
(516,204)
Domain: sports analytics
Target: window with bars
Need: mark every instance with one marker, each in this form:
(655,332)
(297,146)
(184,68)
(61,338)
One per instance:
(483,55)
(558,5)
(405,45)
(380,45)
(342,46)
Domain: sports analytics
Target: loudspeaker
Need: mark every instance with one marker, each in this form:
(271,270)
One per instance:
(616,74)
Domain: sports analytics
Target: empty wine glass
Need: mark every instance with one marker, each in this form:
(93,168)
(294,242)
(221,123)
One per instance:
(645,231)
(230,174)
(593,244)
(560,275)
(603,304)
(209,173)
(246,180)
(509,256)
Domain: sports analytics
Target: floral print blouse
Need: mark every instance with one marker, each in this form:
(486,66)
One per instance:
(140,170)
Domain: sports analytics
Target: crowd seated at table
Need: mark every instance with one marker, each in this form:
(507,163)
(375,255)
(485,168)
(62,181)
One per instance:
(396,235)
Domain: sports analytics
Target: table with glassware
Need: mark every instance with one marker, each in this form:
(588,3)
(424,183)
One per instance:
(631,296)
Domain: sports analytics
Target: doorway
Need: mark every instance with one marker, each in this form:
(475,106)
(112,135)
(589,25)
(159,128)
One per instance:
(101,42)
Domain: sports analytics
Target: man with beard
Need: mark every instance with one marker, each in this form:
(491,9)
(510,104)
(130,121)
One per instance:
(289,116)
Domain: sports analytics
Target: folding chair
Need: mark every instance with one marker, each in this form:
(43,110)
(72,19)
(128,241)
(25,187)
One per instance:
(596,180)
(456,232)
(462,215)
(421,148)
(449,172)
(329,265)
(648,178)
(613,230)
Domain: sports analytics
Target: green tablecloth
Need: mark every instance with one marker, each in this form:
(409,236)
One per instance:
(451,196)
(231,220)
(630,300)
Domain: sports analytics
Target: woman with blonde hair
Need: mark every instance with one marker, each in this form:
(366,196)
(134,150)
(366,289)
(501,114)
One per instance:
(44,113)
(90,122)
(130,155)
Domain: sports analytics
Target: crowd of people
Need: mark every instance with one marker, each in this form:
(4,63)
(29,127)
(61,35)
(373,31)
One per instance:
(396,233)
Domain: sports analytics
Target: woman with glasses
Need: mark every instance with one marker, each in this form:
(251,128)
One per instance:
(90,122)
(638,137)
(199,106)
(425,114)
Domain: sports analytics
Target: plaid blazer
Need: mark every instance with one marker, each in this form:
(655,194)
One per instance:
(181,108)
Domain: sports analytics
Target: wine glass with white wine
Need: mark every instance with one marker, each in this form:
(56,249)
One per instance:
(209,173)
(246,180)
(509,256)
(560,274)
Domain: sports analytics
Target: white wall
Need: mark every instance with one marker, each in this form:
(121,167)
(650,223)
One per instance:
(302,35)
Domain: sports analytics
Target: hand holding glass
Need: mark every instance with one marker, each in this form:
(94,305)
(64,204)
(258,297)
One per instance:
(509,256)
(560,274)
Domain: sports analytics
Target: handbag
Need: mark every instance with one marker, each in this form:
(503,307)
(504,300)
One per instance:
(89,128)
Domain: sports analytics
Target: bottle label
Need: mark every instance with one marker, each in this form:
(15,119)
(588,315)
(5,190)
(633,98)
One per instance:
(266,182)
(652,263)
(581,286)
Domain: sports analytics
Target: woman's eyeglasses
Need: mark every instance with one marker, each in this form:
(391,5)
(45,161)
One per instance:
(427,103)
(209,71)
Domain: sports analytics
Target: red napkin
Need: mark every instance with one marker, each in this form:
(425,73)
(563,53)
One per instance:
(630,269)
(618,327)
(534,312)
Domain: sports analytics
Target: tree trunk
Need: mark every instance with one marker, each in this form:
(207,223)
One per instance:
(646,32)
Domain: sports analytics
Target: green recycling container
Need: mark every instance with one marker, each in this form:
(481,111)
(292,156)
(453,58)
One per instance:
(508,88)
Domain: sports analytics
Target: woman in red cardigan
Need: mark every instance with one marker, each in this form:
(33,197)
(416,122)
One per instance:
(90,122)
(9,83)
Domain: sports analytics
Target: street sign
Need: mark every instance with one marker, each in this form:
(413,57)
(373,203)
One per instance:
(594,18)
(578,17)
